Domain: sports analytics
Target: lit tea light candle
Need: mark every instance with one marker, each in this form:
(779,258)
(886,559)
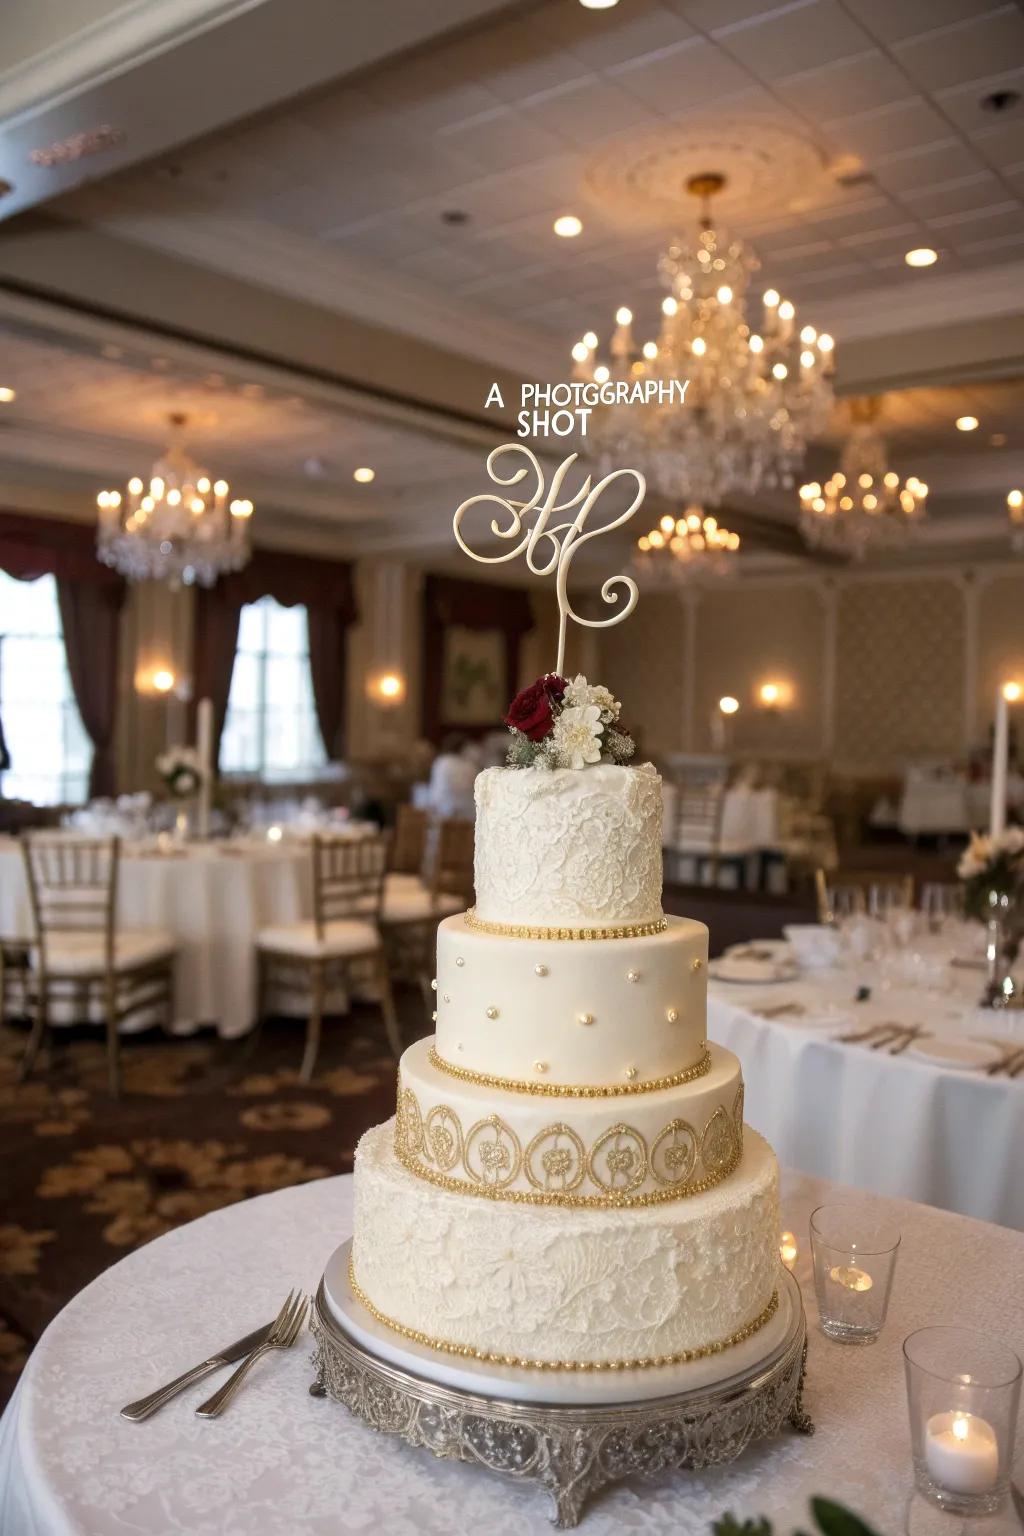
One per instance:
(961,1452)
(850,1277)
(788,1250)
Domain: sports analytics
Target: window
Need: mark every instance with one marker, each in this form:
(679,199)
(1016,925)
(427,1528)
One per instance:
(271,726)
(49,749)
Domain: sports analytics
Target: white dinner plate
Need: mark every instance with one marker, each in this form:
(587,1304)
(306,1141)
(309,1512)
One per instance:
(751,972)
(760,949)
(964,1054)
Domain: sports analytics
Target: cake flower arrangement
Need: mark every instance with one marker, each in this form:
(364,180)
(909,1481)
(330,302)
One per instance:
(181,770)
(560,722)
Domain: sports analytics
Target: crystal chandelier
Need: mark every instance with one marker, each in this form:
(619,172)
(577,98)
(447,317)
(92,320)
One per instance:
(682,547)
(178,526)
(755,396)
(864,506)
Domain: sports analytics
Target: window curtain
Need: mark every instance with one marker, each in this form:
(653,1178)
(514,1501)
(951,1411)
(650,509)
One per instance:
(90,596)
(327,590)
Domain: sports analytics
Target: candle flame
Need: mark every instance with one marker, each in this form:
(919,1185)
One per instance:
(960,1426)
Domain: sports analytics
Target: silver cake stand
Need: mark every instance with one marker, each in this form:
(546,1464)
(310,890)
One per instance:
(569,1451)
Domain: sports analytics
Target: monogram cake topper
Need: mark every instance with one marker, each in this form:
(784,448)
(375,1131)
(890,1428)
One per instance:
(552,547)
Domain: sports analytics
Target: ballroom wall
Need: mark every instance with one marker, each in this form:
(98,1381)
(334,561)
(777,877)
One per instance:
(883,669)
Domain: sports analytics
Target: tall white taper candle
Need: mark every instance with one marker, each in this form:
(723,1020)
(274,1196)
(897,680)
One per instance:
(1000,755)
(204,747)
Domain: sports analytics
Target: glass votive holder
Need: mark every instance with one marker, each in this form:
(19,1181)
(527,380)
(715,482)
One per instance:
(963,1392)
(854,1251)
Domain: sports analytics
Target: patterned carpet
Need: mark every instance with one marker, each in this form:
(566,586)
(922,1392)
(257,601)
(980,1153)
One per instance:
(199,1125)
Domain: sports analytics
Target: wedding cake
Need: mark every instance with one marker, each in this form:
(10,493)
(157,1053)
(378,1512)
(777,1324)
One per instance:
(567,1183)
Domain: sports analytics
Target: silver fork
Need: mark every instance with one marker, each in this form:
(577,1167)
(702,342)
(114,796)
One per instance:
(282,1335)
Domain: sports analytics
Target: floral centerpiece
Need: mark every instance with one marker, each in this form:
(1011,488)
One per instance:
(181,770)
(560,722)
(992,869)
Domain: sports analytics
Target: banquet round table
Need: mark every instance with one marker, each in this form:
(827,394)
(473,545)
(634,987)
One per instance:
(213,898)
(896,1125)
(282,1463)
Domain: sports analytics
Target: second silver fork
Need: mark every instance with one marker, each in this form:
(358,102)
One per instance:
(282,1335)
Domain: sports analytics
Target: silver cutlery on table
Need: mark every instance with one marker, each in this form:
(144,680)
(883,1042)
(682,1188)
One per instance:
(873,1032)
(781,1011)
(1011,1060)
(147,1405)
(283,1332)
(912,1033)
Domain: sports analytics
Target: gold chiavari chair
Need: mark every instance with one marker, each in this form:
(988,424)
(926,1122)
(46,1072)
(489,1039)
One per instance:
(412,912)
(844,893)
(409,845)
(80,955)
(342,944)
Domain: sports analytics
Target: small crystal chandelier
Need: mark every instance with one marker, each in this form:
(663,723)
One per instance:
(864,506)
(1015,507)
(178,527)
(685,546)
(754,398)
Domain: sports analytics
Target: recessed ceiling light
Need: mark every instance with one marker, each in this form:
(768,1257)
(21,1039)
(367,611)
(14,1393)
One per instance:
(598,5)
(568,226)
(364,475)
(966,423)
(921,256)
(6,394)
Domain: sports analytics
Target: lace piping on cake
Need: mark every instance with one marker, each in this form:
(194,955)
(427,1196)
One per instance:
(568,1090)
(525,931)
(640,1363)
(487,1158)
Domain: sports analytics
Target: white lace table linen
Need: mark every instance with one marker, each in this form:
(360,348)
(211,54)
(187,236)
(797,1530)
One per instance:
(892,1124)
(212,899)
(281,1463)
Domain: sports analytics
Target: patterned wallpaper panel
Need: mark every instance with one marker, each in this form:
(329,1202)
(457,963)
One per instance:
(1000,608)
(643,663)
(900,659)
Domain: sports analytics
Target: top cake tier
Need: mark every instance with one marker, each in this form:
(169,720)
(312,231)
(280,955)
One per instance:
(558,847)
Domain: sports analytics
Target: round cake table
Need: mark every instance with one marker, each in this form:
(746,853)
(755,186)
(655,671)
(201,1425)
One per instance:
(283,1463)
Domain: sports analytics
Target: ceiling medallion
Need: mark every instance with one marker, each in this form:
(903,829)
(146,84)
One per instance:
(178,527)
(864,507)
(756,394)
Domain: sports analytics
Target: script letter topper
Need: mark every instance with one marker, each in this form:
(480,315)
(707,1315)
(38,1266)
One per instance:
(552,546)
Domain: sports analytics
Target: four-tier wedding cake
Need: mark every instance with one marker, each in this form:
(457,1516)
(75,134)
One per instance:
(567,1183)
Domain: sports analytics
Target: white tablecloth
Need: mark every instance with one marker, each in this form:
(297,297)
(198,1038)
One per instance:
(937,802)
(212,900)
(894,1125)
(281,1463)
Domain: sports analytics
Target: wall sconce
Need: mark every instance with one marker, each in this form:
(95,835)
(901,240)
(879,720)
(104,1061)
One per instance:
(1013,692)
(728,705)
(163,680)
(774,695)
(158,680)
(387,689)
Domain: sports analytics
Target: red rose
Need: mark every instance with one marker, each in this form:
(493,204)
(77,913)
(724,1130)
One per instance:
(531,711)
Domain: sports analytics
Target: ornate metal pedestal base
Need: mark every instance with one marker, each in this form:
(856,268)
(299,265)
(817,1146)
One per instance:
(569,1452)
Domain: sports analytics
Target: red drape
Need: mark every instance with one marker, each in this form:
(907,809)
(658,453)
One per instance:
(90,614)
(90,596)
(327,590)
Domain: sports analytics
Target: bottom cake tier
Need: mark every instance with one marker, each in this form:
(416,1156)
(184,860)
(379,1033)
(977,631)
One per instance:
(566,1288)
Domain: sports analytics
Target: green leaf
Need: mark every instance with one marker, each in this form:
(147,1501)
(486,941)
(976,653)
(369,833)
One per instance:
(730,1526)
(835,1520)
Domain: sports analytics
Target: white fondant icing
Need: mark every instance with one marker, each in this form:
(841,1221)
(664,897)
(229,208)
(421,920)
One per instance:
(550,1283)
(558,847)
(539,1015)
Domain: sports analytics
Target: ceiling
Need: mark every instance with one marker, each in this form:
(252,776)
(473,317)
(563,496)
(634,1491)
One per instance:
(316,210)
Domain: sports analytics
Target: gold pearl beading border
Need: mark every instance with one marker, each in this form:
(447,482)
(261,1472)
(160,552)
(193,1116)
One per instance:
(639,1363)
(571,1091)
(527,931)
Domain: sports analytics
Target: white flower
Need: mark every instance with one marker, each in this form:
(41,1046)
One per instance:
(576,736)
(976,857)
(580,693)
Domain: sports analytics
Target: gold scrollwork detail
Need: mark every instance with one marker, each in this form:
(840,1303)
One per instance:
(562,1159)
(492,1160)
(737,1114)
(718,1143)
(408,1125)
(699,1069)
(443,1138)
(673,1154)
(618,1160)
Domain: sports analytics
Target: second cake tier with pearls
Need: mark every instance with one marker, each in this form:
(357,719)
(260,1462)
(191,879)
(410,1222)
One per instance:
(594,1013)
(550,1148)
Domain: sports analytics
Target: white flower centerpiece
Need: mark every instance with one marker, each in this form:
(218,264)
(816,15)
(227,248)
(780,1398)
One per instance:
(181,772)
(992,869)
(562,722)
